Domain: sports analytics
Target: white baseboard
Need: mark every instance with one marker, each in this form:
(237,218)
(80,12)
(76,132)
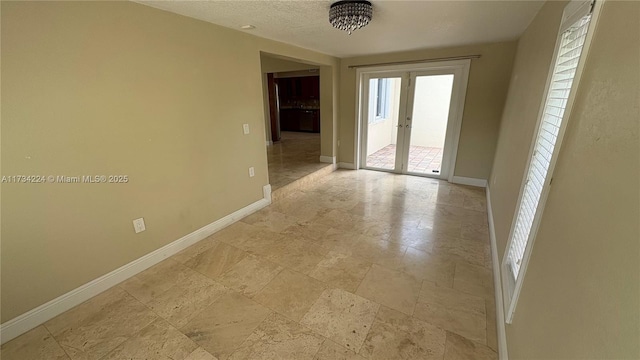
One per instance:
(266,193)
(269,142)
(344,165)
(328,159)
(497,284)
(35,317)
(469,181)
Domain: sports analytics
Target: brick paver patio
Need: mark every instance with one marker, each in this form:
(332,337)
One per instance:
(421,159)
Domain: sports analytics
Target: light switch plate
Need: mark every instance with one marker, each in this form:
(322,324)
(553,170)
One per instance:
(252,172)
(245,129)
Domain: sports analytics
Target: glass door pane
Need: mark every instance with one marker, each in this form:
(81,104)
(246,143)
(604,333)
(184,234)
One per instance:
(382,122)
(428,123)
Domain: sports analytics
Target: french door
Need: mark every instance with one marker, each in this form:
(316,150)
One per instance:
(411,119)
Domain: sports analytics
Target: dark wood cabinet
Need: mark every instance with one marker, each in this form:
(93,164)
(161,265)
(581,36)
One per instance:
(300,120)
(299,88)
(299,101)
(310,87)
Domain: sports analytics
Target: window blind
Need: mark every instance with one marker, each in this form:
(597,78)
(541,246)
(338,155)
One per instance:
(571,43)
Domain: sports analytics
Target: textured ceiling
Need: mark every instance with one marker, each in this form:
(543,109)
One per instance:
(396,25)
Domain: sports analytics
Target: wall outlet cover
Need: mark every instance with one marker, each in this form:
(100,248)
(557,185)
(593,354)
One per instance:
(138,225)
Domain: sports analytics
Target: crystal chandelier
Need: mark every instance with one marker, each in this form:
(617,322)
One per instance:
(350,15)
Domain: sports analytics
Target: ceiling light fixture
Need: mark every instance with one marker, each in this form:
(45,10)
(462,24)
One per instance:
(350,15)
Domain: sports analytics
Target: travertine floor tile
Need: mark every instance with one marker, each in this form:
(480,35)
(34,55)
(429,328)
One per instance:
(305,212)
(376,234)
(374,250)
(34,345)
(391,288)
(492,331)
(270,220)
(194,249)
(263,242)
(250,275)
(236,233)
(179,304)
(471,251)
(332,351)
(306,229)
(452,310)
(278,338)
(450,198)
(342,317)
(474,280)
(425,265)
(398,336)
(338,219)
(159,340)
(200,354)
(335,237)
(459,348)
(290,293)
(155,280)
(216,260)
(440,226)
(92,329)
(475,232)
(222,326)
(475,203)
(341,271)
(298,254)
(412,236)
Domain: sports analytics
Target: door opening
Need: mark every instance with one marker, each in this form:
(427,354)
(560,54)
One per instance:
(410,118)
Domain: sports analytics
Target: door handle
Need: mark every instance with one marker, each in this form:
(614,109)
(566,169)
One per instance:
(399,126)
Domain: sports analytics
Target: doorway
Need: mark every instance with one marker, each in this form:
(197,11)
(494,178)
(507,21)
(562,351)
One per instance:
(411,117)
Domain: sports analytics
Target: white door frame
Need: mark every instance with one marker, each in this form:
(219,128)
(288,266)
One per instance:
(460,69)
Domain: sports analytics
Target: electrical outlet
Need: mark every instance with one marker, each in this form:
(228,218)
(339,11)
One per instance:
(245,129)
(252,172)
(138,225)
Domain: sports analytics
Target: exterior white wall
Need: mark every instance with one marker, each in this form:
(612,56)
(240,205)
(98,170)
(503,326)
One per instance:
(429,118)
(385,132)
(431,110)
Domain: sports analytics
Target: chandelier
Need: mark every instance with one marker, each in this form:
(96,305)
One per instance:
(350,15)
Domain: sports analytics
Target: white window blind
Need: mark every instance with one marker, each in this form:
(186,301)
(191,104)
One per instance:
(573,33)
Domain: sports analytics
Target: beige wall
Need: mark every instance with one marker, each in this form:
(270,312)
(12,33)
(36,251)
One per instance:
(581,295)
(488,82)
(92,88)
(270,64)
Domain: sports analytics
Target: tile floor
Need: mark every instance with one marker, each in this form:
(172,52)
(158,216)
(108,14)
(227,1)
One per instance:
(365,265)
(421,159)
(296,155)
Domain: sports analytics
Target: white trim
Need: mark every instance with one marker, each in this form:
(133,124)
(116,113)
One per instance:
(29,320)
(327,159)
(460,97)
(349,166)
(459,68)
(266,193)
(503,354)
(469,181)
(269,142)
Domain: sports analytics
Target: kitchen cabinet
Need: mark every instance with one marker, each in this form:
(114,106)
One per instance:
(299,88)
(307,120)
